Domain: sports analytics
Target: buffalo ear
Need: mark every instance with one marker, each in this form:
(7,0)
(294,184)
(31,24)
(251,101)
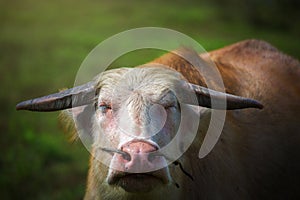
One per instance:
(74,97)
(205,95)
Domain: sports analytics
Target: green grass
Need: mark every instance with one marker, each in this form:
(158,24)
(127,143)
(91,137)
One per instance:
(42,45)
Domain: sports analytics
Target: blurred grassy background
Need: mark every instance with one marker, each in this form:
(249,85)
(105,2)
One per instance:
(42,44)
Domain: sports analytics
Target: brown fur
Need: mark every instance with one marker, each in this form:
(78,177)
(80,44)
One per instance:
(258,154)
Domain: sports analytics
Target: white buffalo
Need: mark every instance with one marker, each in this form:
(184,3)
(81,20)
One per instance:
(132,114)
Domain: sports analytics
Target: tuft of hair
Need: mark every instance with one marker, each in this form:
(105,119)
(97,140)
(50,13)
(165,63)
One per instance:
(66,123)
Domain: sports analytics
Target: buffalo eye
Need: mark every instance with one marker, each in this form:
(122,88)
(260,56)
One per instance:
(104,108)
(170,106)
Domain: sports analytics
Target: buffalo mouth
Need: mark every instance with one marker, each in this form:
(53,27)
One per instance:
(139,182)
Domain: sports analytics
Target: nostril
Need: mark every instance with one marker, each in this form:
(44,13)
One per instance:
(151,157)
(126,156)
(140,150)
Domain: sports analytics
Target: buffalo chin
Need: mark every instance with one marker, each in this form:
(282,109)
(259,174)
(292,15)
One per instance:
(139,183)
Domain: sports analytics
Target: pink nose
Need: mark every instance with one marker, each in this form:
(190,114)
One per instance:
(140,157)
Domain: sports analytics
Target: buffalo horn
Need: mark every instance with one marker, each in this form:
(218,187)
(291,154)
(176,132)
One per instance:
(74,97)
(204,96)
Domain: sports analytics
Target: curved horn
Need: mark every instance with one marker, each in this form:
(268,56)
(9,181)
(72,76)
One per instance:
(74,97)
(204,96)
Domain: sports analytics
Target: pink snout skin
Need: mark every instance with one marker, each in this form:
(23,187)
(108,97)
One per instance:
(141,157)
(139,169)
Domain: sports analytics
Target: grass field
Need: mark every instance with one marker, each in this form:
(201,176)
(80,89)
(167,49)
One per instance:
(42,44)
